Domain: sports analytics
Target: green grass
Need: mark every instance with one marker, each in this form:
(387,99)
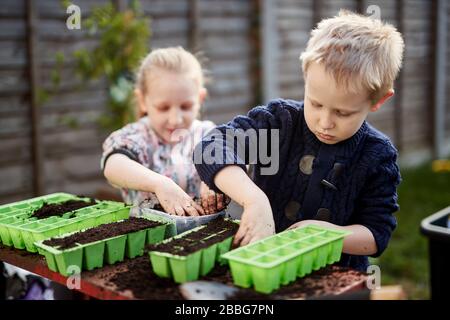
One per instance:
(405,262)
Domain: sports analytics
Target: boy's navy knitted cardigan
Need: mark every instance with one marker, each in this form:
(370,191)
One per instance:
(361,174)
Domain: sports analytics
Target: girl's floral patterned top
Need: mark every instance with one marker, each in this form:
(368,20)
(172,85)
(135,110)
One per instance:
(140,143)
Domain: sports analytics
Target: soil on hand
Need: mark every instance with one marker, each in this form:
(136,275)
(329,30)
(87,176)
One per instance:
(101,232)
(58,209)
(213,232)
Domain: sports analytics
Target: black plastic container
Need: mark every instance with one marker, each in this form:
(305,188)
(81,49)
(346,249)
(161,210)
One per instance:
(437,230)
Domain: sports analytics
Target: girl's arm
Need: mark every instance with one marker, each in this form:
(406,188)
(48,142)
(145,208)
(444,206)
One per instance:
(123,172)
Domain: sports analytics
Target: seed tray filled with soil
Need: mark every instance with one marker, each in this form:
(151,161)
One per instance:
(25,222)
(281,258)
(194,252)
(183,223)
(104,244)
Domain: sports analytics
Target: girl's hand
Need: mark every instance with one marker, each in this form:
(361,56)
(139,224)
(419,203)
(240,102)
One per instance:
(256,222)
(212,202)
(175,201)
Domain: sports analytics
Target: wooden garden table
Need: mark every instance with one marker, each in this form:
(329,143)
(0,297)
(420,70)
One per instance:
(95,283)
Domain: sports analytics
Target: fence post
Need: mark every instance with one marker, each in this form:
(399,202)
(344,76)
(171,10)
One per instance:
(398,119)
(440,67)
(193,33)
(269,36)
(35,114)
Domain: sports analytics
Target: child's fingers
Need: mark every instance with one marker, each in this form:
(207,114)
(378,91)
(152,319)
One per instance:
(198,208)
(295,225)
(168,209)
(240,234)
(179,211)
(246,240)
(190,210)
(193,209)
(212,204)
(205,204)
(220,203)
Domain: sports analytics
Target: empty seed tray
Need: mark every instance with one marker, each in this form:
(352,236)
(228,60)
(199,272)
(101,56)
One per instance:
(184,268)
(106,251)
(281,258)
(19,229)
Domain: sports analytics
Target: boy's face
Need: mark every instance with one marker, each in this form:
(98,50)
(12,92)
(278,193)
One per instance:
(172,102)
(332,114)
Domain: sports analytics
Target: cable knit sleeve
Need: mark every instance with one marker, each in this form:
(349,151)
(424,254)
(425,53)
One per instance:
(378,200)
(216,151)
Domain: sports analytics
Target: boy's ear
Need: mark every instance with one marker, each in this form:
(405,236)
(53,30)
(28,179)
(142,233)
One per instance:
(142,108)
(382,100)
(203,94)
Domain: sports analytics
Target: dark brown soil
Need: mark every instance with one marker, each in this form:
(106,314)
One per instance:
(101,232)
(138,277)
(159,207)
(215,231)
(58,209)
(326,281)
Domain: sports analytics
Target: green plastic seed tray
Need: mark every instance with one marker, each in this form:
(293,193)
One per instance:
(107,251)
(281,258)
(19,230)
(188,267)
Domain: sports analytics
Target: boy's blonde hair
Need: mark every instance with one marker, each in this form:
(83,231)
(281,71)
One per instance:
(174,59)
(360,53)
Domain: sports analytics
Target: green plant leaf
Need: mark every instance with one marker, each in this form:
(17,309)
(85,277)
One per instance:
(123,40)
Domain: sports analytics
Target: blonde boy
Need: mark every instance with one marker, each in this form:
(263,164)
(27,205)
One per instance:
(335,169)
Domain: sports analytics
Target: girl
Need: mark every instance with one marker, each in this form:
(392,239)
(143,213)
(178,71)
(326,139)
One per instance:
(152,158)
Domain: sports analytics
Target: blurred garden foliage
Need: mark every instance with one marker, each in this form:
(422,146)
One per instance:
(406,261)
(123,40)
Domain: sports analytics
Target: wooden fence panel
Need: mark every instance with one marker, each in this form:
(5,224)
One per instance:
(224,36)
(225,32)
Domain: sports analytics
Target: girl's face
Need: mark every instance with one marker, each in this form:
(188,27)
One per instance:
(172,102)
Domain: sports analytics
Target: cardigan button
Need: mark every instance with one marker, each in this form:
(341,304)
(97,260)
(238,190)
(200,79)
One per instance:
(291,210)
(323,214)
(306,164)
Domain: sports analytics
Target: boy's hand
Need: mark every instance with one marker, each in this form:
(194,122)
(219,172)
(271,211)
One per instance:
(175,201)
(307,222)
(256,222)
(212,202)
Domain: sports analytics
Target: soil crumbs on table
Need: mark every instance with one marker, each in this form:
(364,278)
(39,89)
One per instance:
(138,277)
(324,282)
